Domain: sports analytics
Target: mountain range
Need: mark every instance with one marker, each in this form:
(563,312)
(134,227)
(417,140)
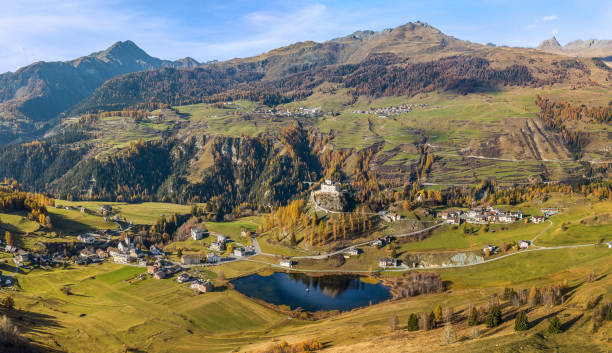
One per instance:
(119,77)
(590,48)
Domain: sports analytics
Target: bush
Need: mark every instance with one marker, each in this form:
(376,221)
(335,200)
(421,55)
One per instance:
(554,325)
(7,302)
(494,317)
(413,322)
(520,322)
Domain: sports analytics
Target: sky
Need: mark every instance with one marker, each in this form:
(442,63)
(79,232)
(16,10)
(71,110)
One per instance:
(51,30)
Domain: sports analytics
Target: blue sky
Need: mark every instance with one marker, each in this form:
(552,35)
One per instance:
(33,30)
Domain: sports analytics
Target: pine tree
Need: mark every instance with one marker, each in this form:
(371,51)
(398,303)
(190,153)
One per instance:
(413,322)
(8,238)
(473,319)
(494,317)
(520,322)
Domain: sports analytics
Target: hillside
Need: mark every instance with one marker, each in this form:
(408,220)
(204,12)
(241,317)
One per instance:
(400,106)
(40,91)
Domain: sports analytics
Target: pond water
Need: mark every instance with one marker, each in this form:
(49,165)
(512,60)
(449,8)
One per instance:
(298,290)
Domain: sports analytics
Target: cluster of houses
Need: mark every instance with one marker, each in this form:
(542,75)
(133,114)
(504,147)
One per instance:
(163,269)
(492,249)
(304,112)
(386,111)
(389,216)
(382,241)
(126,252)
(219,244)
(480,215)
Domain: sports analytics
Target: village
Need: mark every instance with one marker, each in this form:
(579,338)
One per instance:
(303,112)
(393,110)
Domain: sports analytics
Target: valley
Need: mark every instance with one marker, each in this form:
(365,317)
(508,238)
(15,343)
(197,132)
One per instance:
(393,190)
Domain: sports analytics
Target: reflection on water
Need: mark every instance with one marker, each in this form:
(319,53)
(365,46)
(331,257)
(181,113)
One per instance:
(331,292)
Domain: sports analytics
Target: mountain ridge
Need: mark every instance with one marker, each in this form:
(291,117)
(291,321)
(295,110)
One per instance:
(42,90)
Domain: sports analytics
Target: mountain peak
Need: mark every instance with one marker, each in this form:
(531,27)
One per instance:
(550,44)
(123,49)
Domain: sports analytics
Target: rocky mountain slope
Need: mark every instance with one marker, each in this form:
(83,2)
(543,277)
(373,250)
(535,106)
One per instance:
(590,48)
(41,91)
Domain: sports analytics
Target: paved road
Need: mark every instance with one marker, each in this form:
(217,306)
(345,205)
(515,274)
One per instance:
(323,256)
(542,232)
(404,269)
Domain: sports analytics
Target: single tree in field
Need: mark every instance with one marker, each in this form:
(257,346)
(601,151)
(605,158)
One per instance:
(520,322)
(473,319)
(394,322)
(426,321)
(533,296)
(448,335)
(554,325)
(438,313)
(413,322)
(494,317)
(475,332)
(449,313)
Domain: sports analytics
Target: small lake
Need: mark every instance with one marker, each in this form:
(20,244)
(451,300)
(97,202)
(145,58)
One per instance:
(298,290)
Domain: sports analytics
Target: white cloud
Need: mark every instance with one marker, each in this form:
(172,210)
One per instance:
(549,18)
(532,26)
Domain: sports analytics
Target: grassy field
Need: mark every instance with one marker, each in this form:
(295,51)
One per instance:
(111,307)
(137,213)
(17,223)
(74,222)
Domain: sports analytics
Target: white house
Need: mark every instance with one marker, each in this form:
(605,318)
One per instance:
(387,262)
(222,238)
(286,263)
(537,219)
(213,258)
(239,252)
(198,233)
(523,244)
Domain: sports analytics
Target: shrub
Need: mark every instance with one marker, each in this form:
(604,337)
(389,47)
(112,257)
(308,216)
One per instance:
(413,322)
(11,340)
(520,322)
(494,317)
(7,302)
(554,325)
